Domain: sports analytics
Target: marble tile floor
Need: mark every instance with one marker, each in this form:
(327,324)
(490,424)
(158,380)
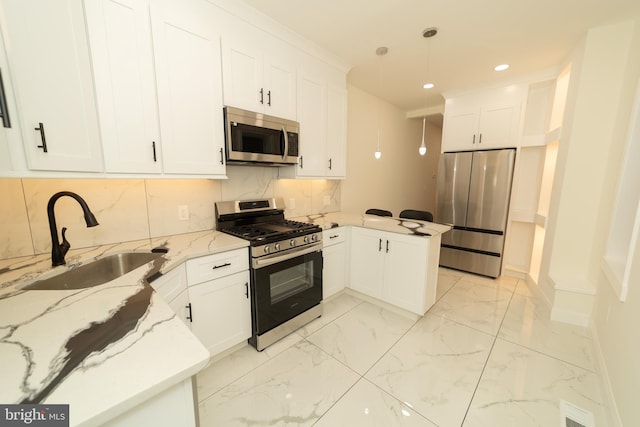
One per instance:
(486,354)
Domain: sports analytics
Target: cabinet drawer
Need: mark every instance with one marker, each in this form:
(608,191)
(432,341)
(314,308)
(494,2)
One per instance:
(333,236)
(170,285)
(218,265)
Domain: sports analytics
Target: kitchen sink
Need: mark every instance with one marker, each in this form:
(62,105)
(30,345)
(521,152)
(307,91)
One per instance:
(95,273)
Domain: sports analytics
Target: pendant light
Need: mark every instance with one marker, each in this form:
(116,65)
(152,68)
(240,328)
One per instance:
(427,34)
(381,51)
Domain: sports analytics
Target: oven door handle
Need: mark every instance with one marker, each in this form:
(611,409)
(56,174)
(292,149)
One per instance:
(276,258)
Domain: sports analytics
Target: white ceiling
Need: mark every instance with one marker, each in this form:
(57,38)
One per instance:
(474,36)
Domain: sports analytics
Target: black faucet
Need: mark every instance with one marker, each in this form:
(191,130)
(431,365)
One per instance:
(59,250)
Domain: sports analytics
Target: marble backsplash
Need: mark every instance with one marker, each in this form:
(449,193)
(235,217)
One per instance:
(133,209)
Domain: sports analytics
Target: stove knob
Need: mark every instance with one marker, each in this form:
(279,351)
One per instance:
(276,246)
(305,239)
(314,238)
(267,249)
(292,242)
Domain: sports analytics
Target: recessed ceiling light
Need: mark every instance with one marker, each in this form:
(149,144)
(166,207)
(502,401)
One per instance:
(428,85)
(501,67)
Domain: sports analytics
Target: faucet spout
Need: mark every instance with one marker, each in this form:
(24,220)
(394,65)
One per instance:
(59,250)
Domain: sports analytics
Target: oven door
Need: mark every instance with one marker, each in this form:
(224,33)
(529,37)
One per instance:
(284,288)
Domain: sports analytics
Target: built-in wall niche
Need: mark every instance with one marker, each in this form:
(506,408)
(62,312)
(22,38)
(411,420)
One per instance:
(534,175)
(625,222)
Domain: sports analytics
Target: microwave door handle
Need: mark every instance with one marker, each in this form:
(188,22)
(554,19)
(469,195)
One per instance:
(285,153)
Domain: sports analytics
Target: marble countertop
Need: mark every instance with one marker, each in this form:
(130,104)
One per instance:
(392,224)
(105,349)
(102,350)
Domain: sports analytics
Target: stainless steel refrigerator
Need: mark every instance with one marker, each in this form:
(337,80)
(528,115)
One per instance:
(474,188)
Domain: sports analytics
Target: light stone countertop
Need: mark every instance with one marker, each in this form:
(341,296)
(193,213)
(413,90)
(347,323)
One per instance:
(105,349)
(392,224)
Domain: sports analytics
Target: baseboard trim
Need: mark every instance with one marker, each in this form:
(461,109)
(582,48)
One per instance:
(570,317)
(610,406)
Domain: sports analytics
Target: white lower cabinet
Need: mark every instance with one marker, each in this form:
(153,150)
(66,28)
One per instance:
(170,408)
(172,287)
(334,253)
(211,295)
(221,311)
(219,299)
(393,268)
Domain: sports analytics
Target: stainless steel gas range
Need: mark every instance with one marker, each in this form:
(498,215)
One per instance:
(286,266)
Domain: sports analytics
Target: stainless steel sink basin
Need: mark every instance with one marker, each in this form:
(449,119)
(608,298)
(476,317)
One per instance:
(95,273)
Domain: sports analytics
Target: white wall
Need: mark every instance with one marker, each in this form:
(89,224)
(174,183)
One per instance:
(605,71)
(401,178)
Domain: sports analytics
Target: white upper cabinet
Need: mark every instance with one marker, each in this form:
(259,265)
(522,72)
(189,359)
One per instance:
(121,50)
(189,86)
(336,149)
(483,120)
(50,68)
(312,113)
(259,74)
(322,114)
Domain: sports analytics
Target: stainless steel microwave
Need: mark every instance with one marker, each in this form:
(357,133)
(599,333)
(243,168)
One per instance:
(258,138)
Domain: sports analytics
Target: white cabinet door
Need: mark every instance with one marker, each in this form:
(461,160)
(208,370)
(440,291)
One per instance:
(189,86)
(180,306)
(460,129)
(393,268)
(336,139)
(121,50)
(243,74)
(257,77)
(280,84)
(405,268)
(334,269)
(312,105)
(483,119)
(221,311)
(367,261)
(498,126)
(50,67)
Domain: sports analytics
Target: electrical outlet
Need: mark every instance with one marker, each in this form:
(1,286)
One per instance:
(183,212)
(292,203)
(327,200)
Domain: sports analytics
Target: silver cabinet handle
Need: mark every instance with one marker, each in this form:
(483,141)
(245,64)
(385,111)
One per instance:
(285,153)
